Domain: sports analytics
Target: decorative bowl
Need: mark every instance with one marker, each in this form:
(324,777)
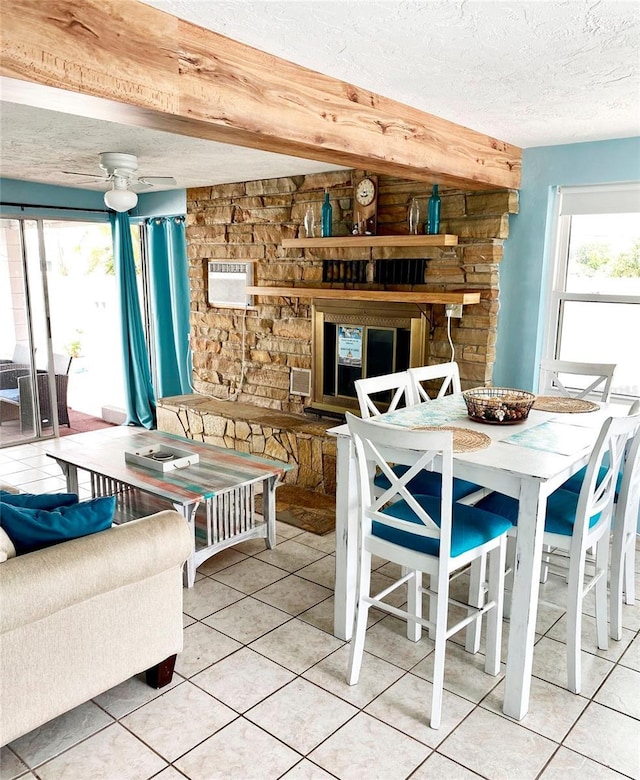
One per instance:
(498,405)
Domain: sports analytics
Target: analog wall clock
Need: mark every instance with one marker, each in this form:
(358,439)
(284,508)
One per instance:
(365,205)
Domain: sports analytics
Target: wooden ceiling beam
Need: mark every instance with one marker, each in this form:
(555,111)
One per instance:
(130,63)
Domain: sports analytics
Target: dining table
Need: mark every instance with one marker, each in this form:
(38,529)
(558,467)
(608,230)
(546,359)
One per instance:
(527,460)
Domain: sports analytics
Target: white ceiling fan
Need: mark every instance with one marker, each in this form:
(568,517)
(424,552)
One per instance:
(120,171)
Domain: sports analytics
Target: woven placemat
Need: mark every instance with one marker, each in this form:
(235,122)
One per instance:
(464,439)
(552,403)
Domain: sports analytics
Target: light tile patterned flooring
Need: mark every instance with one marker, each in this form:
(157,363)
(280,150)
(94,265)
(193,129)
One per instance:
(260,691)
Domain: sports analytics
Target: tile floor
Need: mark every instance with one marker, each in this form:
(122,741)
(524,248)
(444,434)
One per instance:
(260,692)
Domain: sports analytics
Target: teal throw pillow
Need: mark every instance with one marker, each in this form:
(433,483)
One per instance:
(38,500)
(32,529)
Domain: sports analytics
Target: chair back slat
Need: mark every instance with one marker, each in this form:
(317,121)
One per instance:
(601,385)
(448,372)
(398,384)
(629,497)
(628,503)
(379,447)
(599,485)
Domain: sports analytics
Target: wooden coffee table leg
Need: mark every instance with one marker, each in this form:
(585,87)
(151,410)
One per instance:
(189,514)
(269,510)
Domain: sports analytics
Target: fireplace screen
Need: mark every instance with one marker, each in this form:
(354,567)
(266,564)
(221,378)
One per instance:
(360,340)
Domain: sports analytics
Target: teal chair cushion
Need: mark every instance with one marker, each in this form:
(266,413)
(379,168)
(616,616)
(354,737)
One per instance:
(471,527)
(429,483)
(574,483)
(560,516)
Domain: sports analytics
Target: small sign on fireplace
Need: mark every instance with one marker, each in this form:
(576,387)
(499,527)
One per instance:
(349,346)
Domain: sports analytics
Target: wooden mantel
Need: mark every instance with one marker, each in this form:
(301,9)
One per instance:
(344,242)
(326,293)
(130,63)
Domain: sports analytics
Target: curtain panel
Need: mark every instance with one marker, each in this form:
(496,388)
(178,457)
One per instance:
(169,293)
(139,395)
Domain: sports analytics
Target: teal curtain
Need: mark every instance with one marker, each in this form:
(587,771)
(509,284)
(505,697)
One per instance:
(139,395)
(169,286)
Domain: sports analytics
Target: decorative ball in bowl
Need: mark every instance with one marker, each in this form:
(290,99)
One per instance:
(498,405)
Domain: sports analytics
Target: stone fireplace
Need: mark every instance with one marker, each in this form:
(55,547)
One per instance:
(243,359)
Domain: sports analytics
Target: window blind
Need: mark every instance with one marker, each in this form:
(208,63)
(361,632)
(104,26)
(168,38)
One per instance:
(609,199)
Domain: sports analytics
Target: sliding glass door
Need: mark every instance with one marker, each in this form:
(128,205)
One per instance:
(27,385)
(59,328)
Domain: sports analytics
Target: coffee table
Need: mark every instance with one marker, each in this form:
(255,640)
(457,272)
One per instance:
(216,496)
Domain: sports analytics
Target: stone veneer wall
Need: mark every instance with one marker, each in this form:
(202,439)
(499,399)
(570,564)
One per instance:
(247,356)
(242,359)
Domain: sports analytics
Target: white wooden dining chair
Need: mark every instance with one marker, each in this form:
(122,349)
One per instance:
(625,520)
(623,547)
(423,534)
(395,386)
(426,482)
(601,384)
(399,384)
(449,373)
(576,523)
(467,492)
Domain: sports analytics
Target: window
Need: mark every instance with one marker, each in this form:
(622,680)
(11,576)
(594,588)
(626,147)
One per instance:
(594,313)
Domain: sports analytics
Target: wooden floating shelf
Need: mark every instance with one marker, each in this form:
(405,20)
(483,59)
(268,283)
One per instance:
(367,295)
(343,242)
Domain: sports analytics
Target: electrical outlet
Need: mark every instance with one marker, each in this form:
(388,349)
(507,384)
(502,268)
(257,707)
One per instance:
(453,309)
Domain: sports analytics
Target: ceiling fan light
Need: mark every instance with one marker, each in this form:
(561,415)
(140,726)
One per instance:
(120,199)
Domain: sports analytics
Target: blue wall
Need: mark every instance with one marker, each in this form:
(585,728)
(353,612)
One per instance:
(526,262)
(84,204)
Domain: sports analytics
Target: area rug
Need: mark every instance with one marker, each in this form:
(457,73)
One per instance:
(313,512)
(82,423)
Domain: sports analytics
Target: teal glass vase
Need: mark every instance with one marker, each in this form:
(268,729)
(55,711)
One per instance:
(327,217)
(433,213)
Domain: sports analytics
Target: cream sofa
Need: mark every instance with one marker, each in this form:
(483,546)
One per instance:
(80,617)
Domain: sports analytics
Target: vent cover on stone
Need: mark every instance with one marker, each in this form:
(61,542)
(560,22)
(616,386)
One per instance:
(228,283)
(300,381)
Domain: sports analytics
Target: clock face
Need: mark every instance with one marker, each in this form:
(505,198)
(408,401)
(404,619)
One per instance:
(365,192)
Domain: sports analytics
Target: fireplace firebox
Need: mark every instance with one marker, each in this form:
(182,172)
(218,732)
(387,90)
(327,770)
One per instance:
(356,339)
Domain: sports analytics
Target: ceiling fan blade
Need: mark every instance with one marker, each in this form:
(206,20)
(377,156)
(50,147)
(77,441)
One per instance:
(94,176)
(157,180)
(137,185)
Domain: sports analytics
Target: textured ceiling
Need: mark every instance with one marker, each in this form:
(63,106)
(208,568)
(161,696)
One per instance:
(531,73)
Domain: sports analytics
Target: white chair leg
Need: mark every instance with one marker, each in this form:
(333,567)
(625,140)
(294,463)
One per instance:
(414,606)
(544,568)
(362,613)
(494,616)
(438,660)
(574,624)
(622,579)
(508,580)
(602,564)
(433,605)
(476,599)
(616,593)
(629,570)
